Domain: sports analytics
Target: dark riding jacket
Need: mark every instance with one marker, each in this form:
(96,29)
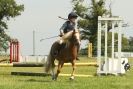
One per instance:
(67,26)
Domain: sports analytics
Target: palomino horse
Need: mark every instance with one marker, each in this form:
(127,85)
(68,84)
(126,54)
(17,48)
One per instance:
(67,54)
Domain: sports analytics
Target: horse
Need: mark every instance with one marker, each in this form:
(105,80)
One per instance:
(67,54)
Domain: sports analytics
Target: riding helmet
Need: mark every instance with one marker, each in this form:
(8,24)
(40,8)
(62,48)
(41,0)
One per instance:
(72,15)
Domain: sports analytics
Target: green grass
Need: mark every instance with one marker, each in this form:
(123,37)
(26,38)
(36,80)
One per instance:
(4,58)
(8,81)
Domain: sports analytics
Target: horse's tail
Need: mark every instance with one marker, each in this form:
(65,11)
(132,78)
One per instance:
(49,63)
(51,58)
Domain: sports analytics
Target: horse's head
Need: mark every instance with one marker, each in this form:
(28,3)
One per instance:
(76,37)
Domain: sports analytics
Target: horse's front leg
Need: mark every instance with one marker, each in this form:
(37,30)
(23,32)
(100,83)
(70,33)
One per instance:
(60,65)
(53,74)
(73,71)
(53,71)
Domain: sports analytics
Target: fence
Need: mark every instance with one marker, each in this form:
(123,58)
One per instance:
(31,59)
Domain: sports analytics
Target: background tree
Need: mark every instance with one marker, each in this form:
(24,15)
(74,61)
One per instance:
(4,41)
(8,9)
(130,44)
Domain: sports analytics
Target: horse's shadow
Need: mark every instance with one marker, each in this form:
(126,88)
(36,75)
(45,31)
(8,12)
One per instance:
(35,80)
(46,81)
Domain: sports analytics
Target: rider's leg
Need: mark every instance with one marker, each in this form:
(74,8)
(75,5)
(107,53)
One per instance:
(64,39)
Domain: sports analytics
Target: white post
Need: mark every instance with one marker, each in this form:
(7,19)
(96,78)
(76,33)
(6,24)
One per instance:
(119,46)
(34,43)
(113,41)
(99,45)
(106,40)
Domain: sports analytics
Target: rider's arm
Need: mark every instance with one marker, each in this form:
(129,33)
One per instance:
(62,28)
(76,27)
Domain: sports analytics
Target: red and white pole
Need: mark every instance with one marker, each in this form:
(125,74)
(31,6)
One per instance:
(17,51)
(14,51)
(10,52)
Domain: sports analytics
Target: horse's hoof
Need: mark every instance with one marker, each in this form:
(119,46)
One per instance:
(71,78)
(54,79)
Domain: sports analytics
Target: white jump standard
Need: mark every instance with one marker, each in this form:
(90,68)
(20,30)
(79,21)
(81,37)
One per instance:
(109,65)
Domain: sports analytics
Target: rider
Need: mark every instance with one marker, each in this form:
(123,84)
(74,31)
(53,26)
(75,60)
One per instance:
(68,27)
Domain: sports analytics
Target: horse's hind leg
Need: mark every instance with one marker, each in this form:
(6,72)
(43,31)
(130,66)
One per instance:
(60,65)
(73,66)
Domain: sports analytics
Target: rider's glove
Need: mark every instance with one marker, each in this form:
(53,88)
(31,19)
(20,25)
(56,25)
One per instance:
(60,35)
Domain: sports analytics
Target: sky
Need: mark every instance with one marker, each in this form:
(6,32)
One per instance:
(42,16)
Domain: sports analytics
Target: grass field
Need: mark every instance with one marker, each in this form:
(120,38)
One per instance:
(8,81)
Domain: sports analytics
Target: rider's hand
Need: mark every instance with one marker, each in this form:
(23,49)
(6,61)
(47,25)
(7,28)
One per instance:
(60,35)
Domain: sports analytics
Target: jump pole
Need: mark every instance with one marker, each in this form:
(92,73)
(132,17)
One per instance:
(45,74)
(42,65)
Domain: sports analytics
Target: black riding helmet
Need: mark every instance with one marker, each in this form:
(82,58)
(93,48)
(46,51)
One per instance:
(72,15)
